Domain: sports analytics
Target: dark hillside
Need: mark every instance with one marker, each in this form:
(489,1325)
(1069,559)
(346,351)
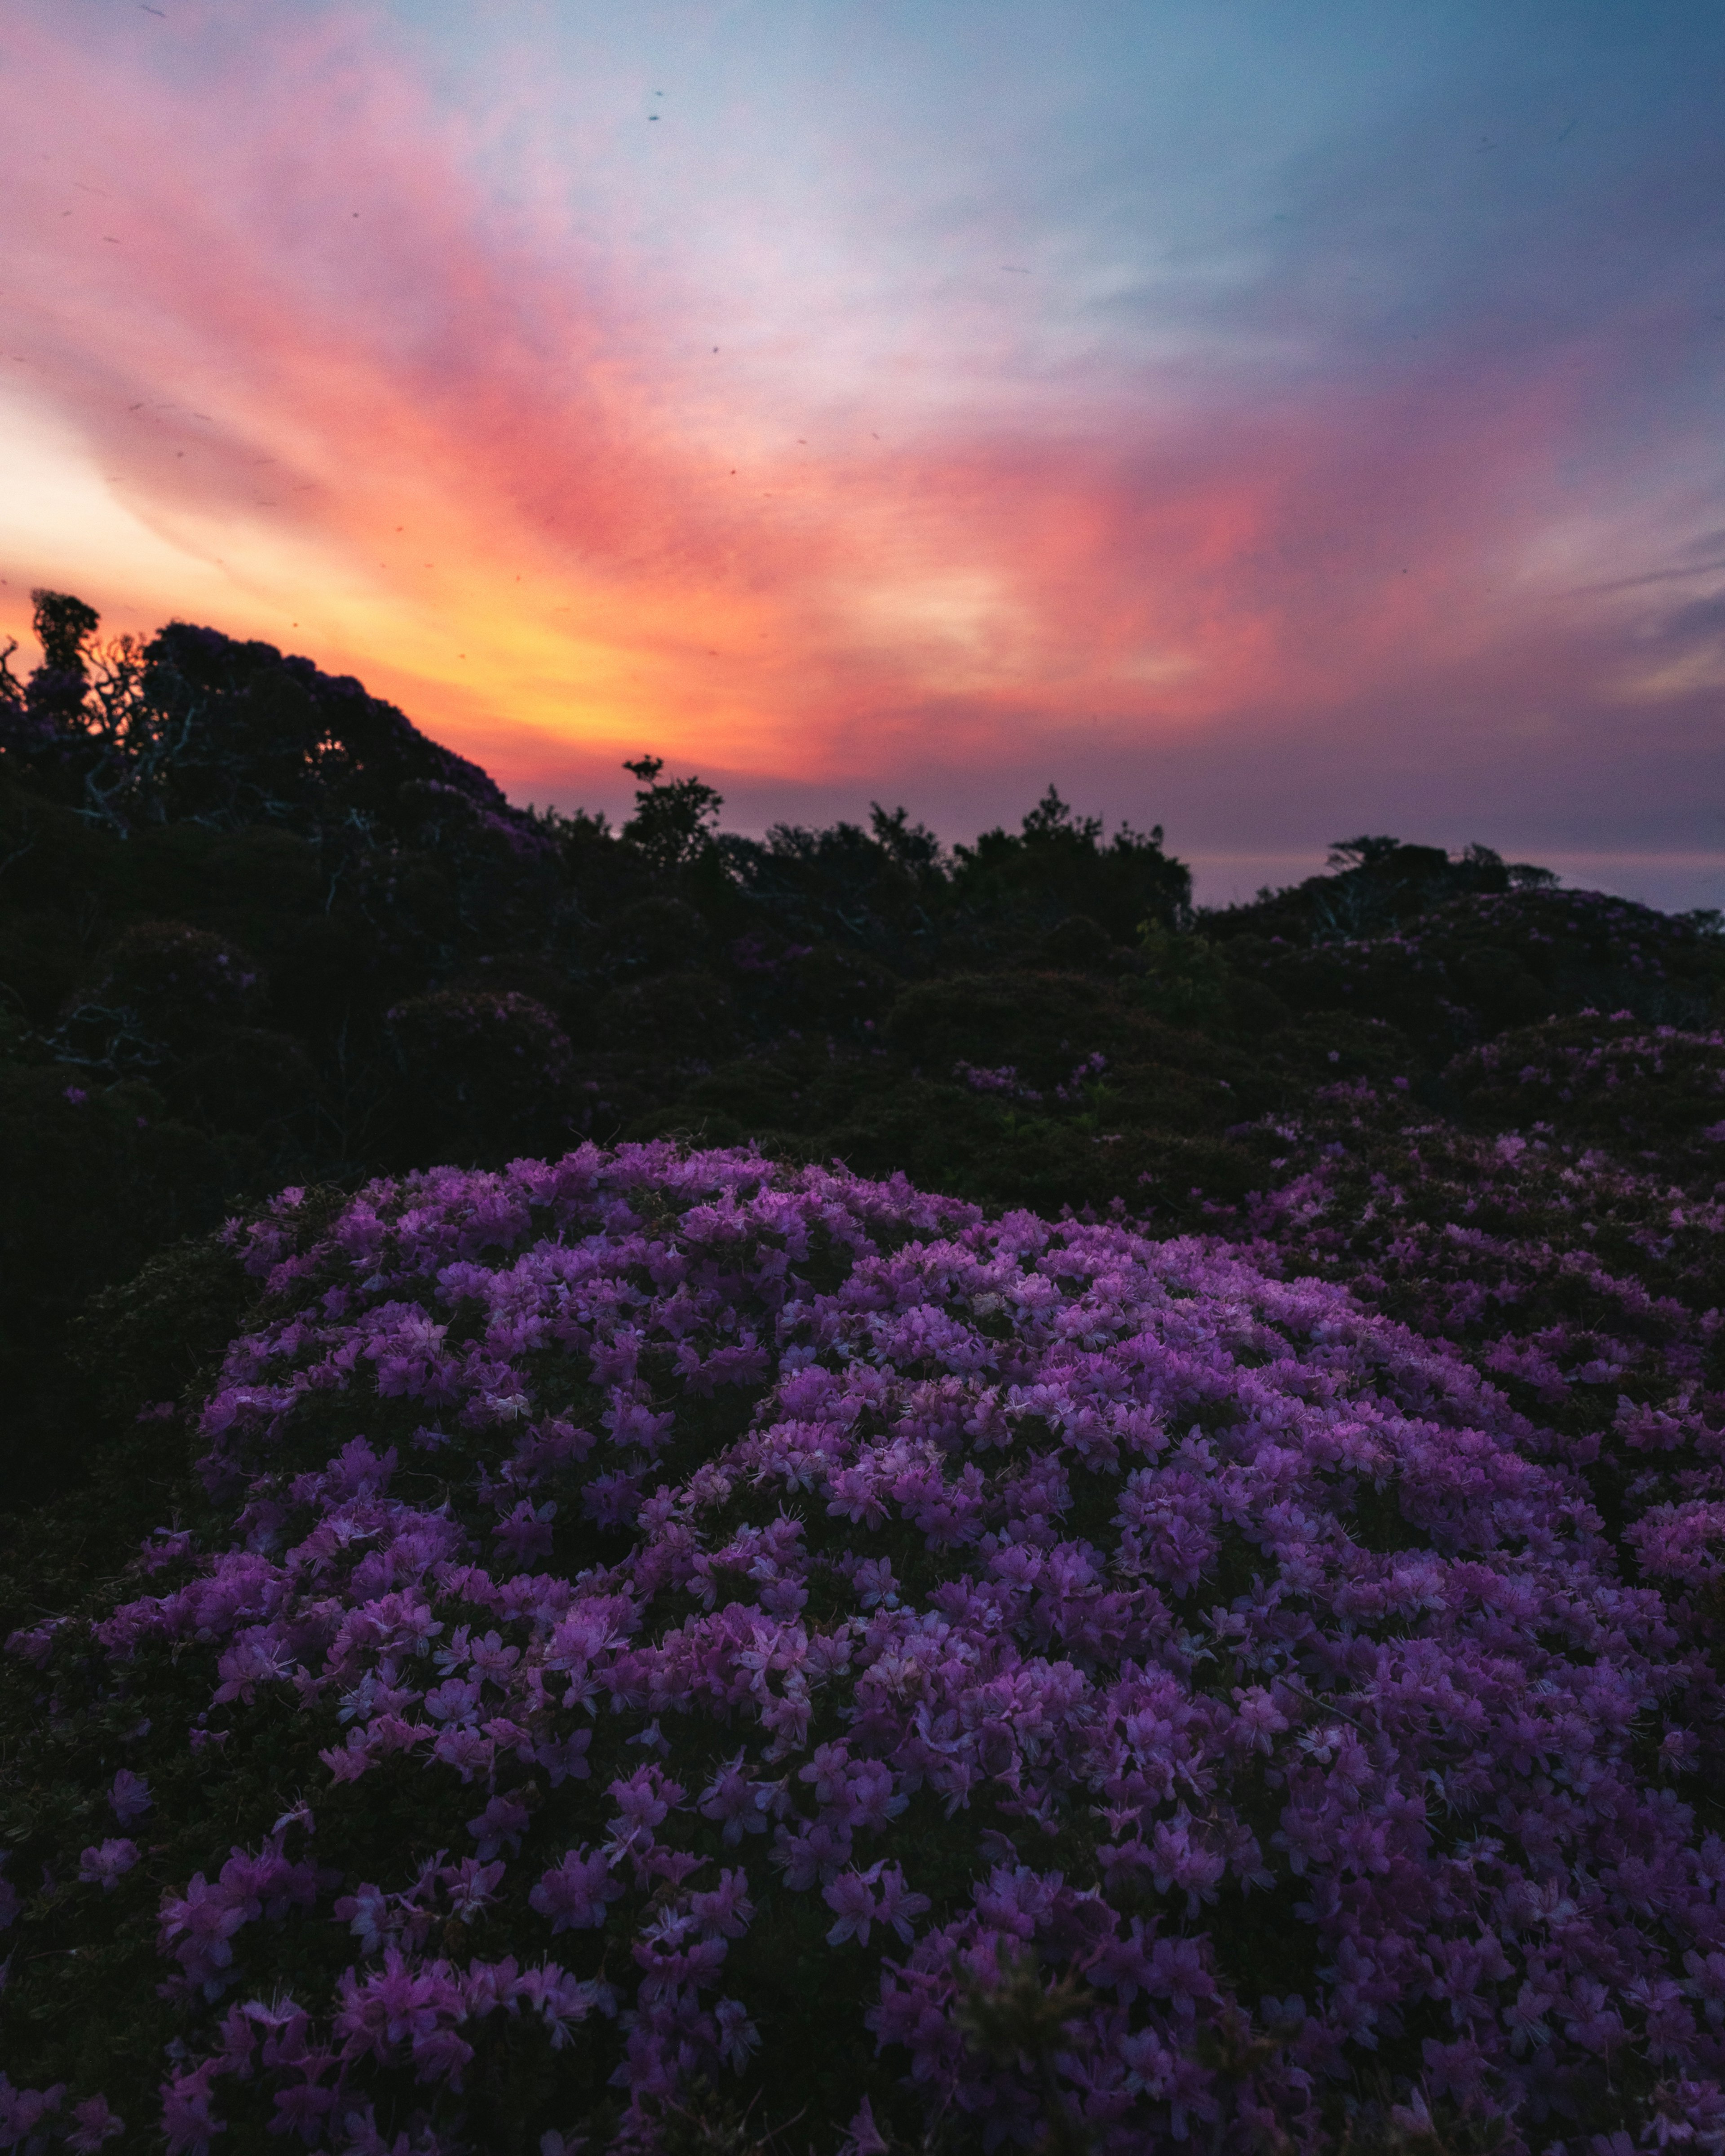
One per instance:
(1206,1429)
(256,929)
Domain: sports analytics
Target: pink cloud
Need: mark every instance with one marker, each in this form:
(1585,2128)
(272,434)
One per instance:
(466,449)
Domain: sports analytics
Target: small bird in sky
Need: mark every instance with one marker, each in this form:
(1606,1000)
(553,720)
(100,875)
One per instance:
(143,10)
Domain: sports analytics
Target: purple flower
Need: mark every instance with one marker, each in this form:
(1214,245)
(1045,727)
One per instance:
(726,1909)
(740,1804)
(104,1863)
(812,1855)
(130,1797)
(851,1898)
(188,2121)
(898,1906)
(863,2138)
(1194,1551)
(472,1887)
(574,1893)
(97,2125)
(737,2035)
(499,1826)
(23,2110)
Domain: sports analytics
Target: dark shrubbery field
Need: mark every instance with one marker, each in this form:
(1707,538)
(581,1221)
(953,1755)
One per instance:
(559,1597)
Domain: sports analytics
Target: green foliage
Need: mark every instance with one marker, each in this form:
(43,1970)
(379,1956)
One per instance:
(1057,864)
(484,1073)
(97,1179)
(682,1017)
(63,627)
(1186,979)
(673,821)
(658,935)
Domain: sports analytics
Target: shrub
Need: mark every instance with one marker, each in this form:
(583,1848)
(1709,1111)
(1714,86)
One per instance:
(244,1078)
(1057,864)
(829,989)
(1036,1020)
(684,1017)
(1653,1091)
(653,936)
(40,958)
(657,1624)
(487,1073)
(97,1179)
(1471,966)
(1587,1287)
(1078,945)
(1187,978)
(170,981)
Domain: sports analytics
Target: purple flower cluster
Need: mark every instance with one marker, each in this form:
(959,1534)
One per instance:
(1653,1090)
(1004,1080)
(982,1078)
(736,1565)
(1591,1289)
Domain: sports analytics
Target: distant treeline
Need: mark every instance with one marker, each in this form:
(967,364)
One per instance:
(256,929)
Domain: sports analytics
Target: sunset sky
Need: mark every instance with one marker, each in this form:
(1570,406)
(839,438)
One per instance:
(1275,419)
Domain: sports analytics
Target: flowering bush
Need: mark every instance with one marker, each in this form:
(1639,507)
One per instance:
(1590,1290)
(1652,1091)
(162,983)
(657,1625)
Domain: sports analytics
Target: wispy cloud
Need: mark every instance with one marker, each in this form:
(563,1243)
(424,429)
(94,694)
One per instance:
(1259,519)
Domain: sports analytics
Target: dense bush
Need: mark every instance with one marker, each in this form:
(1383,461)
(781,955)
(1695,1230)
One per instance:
(169,805)
(97,1179)
(485,1073)
(1472,966)
(174,980)
(1655,1093)
(1589,1289)
(681,1018)
(658,1626)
